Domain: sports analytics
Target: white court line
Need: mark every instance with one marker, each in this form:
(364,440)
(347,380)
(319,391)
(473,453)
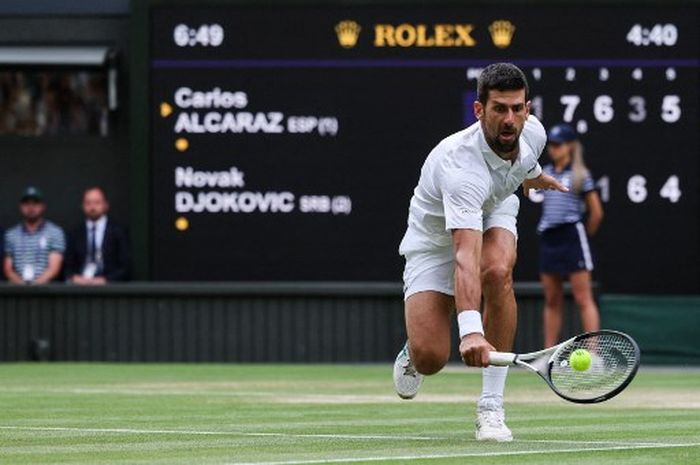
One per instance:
(606,443)
(303,435)
(609,446)
(309,435)
(220,433)
(465,455)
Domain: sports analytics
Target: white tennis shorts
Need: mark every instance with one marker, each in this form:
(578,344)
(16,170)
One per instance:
(433,270)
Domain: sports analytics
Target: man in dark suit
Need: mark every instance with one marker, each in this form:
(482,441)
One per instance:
(98,250)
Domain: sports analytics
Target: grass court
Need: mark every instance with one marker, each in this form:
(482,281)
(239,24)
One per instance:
(335,414)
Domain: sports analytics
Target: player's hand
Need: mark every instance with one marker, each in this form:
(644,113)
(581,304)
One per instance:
(475,349)
(543,181)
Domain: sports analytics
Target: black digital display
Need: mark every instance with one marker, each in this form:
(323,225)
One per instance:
(286,140)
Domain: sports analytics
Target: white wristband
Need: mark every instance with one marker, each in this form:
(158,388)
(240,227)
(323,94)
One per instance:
(469,322)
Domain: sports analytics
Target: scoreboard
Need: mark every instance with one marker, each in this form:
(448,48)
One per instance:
(285,140)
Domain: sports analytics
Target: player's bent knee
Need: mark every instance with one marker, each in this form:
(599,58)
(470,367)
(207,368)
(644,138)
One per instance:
(428,361)
(497,276)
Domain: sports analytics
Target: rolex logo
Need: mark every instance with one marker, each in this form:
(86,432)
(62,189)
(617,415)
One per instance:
(348,32)
(502,33)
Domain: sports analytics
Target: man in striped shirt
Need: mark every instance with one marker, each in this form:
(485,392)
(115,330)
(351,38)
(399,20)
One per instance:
(33,248)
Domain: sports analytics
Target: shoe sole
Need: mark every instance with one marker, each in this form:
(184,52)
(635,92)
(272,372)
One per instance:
(404,396)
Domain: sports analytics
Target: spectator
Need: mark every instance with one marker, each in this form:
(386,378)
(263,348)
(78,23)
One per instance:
(34,248)
(98,250)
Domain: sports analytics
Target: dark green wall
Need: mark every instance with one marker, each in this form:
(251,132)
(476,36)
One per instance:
(235,322)
(666,328)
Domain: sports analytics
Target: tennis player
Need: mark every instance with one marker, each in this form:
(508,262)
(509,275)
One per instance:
(461,241)
(564,249)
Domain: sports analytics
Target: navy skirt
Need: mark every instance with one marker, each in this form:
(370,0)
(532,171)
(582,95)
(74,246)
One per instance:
(564,249)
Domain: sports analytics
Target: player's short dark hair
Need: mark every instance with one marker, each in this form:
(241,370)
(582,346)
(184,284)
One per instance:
(500,76)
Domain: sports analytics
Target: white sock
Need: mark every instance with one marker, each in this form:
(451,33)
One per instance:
(493,385)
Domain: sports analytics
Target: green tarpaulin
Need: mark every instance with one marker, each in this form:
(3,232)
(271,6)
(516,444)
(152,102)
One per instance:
(666,328)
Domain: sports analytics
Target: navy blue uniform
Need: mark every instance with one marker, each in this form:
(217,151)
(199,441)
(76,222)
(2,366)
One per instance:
(564,246)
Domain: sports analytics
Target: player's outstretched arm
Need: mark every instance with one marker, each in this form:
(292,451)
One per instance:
(473,347)
(543,181)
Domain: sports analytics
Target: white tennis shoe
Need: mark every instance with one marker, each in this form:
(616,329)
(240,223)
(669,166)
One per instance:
(491,422)
(407,380)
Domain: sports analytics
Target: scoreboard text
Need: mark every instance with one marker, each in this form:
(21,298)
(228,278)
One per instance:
(286,141)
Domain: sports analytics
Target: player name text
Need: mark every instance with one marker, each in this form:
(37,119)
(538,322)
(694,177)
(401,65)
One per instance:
(188,177)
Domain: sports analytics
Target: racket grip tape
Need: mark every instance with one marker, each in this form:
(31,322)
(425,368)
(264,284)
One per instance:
(502,359)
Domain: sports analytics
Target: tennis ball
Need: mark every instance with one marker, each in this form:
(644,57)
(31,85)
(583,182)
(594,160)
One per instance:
(580,360)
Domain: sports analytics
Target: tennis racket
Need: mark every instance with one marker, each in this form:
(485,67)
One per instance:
(614,362)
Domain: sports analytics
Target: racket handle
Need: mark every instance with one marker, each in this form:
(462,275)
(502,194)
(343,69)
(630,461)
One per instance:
(502,359)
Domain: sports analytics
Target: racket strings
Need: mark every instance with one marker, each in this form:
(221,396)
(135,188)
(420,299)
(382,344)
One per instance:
(613,361)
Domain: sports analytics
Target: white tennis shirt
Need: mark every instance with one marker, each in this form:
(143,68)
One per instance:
(463,180)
